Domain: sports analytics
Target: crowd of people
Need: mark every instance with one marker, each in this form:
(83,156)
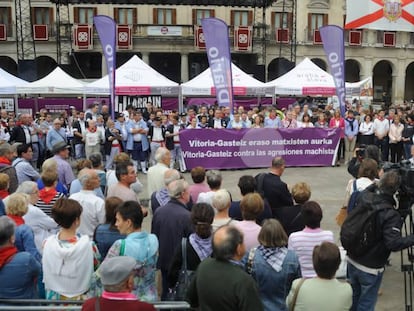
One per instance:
(73,237)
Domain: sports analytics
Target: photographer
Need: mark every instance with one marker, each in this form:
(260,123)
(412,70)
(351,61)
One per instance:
(360,153)
(365,270)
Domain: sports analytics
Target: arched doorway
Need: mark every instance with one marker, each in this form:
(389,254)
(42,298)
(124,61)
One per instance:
(85,65)
(409,82)
(320,63)
(44,66)
(8,64)
(278,67)
(352,69)
(167,64)
(382,80)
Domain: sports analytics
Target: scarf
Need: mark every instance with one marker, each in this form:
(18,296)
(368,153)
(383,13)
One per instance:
(274,256)
(4,160)
(47,195)
(4,193)
(6,254)
(202,247)
(162,196)
(351,123)
(18,220)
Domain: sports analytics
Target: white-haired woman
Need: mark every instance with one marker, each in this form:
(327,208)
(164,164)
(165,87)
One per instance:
(221,203)
(42,225)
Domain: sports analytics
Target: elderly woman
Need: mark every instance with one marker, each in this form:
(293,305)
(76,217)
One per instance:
(140,245)
(106,234)
(63,276)
(93,137)
(14,263)
(199,246)
(16,208)
(42,225)
(272,265)
(303,242)
(323,292)
(221,204)
(251,206)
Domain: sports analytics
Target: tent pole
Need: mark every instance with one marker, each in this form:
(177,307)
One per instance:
(180,101)
(84,102)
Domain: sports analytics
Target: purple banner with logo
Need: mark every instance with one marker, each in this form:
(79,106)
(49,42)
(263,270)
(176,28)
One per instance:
(216,34)
(249,148)
(333,45)
(106,28)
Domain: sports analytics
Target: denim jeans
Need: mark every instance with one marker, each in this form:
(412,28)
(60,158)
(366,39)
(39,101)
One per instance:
(365,288)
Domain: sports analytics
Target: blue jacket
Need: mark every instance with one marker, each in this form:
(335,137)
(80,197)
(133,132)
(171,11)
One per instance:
(104,237)
(130,140)
(274,286)
(18,277)
(25,241)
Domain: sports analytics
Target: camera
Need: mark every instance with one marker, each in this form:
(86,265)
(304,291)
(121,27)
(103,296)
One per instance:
(360,152)
(406,190)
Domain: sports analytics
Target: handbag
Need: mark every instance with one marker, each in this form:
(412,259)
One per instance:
(179,291)
(341,216)
(295,295)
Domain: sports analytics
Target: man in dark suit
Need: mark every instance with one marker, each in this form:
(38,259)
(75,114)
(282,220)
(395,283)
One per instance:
(21,132)
(217,122)
(79,128)
(274,190)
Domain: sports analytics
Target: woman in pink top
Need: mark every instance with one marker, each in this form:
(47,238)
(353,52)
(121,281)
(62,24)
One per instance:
(339,122)
(303,242)
(198,174)
(251,206)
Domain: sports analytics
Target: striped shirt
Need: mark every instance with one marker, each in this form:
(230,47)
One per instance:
(303,242)
(47,207)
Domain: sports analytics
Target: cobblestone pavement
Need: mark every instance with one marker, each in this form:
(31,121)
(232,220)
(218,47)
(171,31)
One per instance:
(328,188)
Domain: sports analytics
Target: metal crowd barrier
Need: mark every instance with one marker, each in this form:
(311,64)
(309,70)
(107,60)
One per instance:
(43,304)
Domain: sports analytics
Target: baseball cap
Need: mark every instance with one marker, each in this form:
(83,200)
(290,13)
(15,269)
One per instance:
(114,270)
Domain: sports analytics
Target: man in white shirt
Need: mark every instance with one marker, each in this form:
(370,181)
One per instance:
(156,172)
(381,129)
(156,134)
(93,206)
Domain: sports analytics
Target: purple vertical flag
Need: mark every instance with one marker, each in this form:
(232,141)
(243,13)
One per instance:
(333,45)
(106,28)
(216,35)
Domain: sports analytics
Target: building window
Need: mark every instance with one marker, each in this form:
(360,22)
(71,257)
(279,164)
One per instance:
(125,16)
(84,15)
(5,18)
(280,20)
(315,21)
(164,16)
(42,16)
(241,18)
(198,15)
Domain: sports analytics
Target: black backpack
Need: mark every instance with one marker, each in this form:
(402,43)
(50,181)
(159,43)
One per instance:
(360,231)
(354,197)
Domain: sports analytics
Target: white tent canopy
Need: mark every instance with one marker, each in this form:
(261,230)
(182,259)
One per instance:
(56,82)
(243,84)
(135,77)
(305,79)
(9,82)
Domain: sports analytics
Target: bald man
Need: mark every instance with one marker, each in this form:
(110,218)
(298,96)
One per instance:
(221,283)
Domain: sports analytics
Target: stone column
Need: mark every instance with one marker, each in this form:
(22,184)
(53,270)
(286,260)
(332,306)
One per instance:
(103,66)
(145,57)
(184,67)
